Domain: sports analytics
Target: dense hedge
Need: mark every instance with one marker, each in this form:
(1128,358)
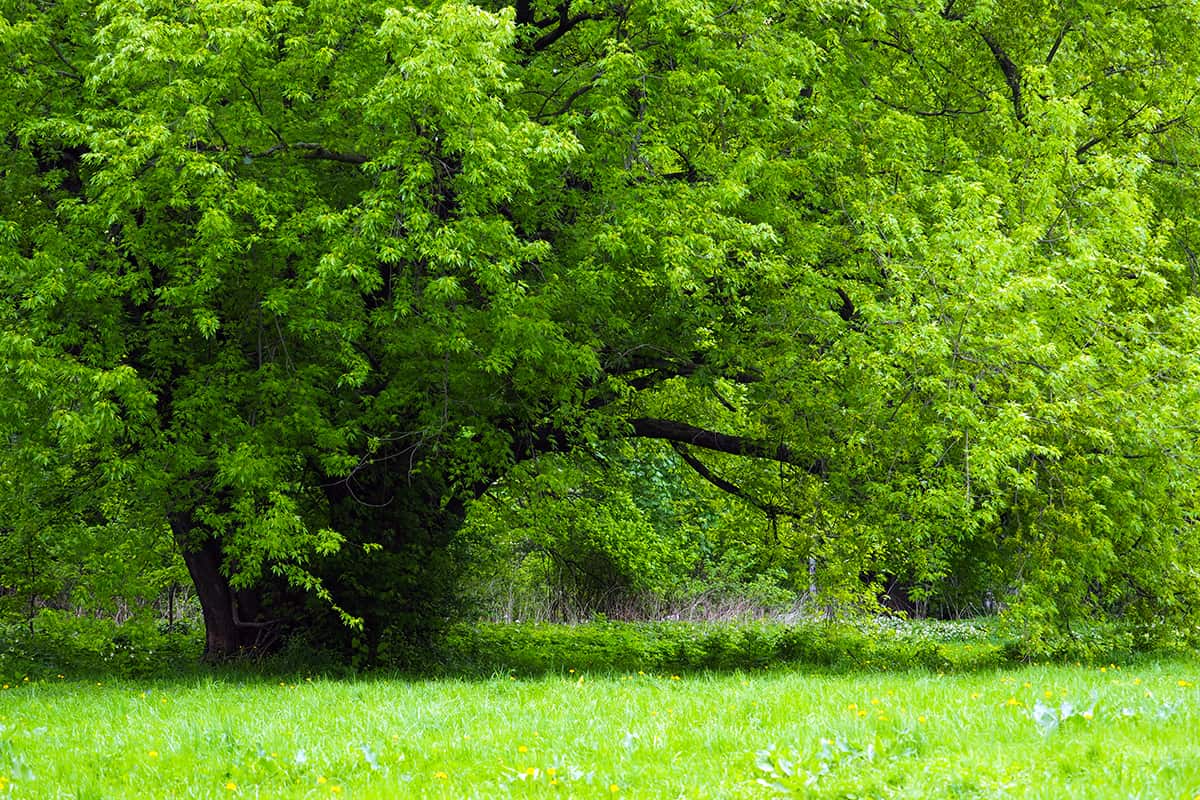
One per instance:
(64,644)
(678,646)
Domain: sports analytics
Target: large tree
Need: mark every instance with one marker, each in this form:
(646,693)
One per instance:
(296,280)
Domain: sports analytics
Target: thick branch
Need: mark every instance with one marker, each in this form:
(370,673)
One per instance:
(1057,43)
(701,469)
(675,368)
(524,15)
(1012,74)
(315,151)
(565,24)
(321,152)
(683,433)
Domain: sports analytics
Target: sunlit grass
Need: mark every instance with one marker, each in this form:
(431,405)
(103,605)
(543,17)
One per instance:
(1038,732)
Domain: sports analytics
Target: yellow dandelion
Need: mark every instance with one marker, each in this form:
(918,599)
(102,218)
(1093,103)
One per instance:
(1026,685)
(921,719)
(335,789)
(1086,715)
(852,707)
(862,712)
(554,781)
(321,779)
(153,754)
(1012,701)
(612,787)
(231,786)
(1184,683)
(1048,694)
(551,771)
(522,749)
(674,677)
(974,695)
(441,776)
(531,771)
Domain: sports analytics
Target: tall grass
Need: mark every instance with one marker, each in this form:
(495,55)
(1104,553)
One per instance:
(1037,732)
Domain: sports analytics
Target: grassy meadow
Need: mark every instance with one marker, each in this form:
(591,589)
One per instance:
(1035,732)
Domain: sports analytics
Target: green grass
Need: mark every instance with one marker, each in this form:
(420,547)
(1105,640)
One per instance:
(1134,733)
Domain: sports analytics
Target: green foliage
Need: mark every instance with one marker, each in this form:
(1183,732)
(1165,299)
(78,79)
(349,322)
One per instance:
(532,648)
(64,644)
(263,260)
(625,532)
(864,645)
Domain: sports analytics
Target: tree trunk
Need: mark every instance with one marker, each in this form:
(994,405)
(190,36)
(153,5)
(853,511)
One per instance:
(227,634)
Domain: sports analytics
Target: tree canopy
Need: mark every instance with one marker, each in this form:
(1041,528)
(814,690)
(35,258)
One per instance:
(291,282)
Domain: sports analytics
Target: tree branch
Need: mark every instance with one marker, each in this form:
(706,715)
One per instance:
(321,152)
(1012,74)
(565,24)
(683,433)
(314,151)
(676,368)
(1057,43)
(701,469)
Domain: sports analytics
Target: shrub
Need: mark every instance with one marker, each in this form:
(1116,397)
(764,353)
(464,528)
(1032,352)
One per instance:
(534,648)
(62,643)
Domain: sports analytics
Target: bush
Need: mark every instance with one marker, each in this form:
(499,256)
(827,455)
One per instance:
(535,648)
(61,643)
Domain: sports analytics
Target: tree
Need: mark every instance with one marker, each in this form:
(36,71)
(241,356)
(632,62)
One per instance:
(299,280)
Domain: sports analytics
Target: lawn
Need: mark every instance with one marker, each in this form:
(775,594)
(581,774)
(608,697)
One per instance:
(1036,732)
